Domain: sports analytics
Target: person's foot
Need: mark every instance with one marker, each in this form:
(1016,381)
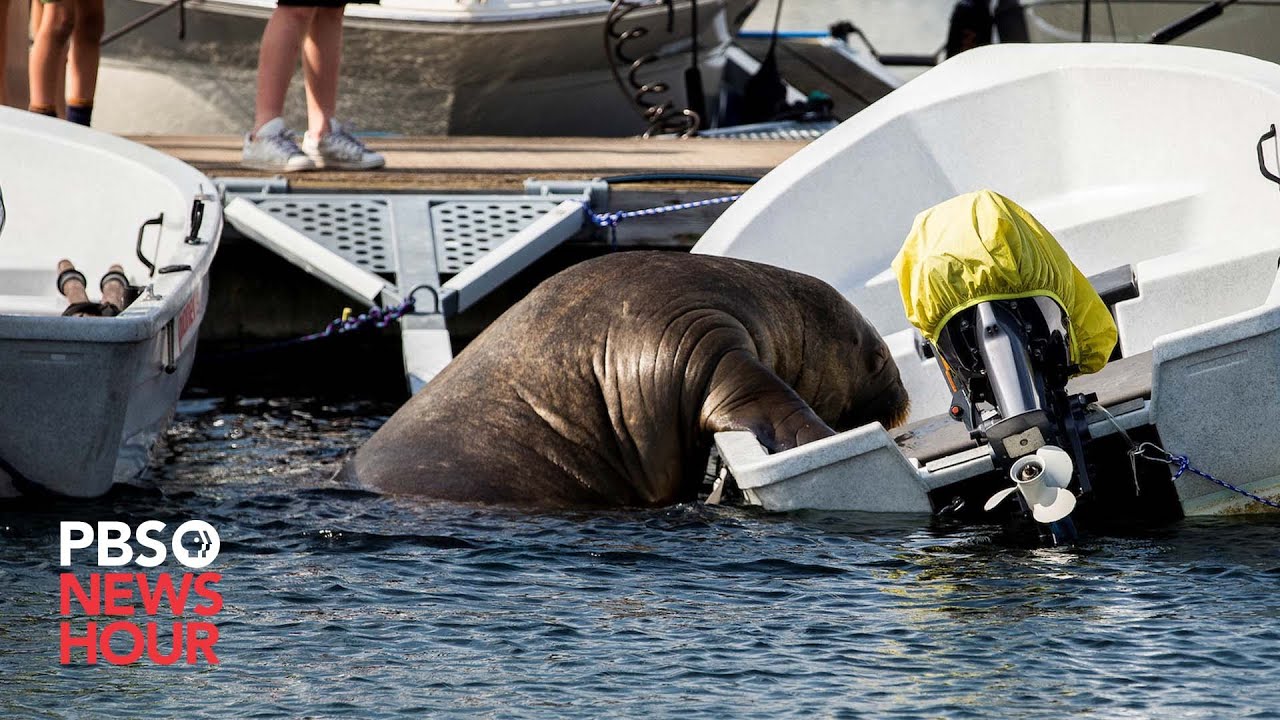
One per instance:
(339,149)
(273,148)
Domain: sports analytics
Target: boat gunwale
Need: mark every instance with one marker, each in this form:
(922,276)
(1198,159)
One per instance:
(375,15)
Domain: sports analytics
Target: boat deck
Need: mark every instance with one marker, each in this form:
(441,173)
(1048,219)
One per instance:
(939,436)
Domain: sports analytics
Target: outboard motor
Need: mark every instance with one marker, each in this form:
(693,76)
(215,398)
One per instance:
(1007,363)
(1012,320)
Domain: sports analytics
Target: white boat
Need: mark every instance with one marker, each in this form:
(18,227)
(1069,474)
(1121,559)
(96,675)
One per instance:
(84,398)
(476,67)
(1248,27)
(1156,169)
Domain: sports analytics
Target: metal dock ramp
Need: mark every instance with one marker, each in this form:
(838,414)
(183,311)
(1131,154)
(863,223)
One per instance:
(447,251)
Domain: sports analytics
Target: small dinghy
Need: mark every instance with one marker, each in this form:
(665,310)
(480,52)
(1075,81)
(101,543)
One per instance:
(1155,169)
(85,396)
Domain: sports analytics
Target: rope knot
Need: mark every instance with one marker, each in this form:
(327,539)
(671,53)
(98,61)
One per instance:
(1183,463)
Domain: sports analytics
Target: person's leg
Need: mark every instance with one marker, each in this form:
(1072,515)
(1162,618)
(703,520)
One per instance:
(327,142)
(82,65)
(14,57)
(4,55)
(47,54)
(277,59)
(71,284)
(321,61)
(114,286)
(271,145)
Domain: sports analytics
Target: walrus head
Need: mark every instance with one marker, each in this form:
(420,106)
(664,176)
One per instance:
(880,397)
(844,369)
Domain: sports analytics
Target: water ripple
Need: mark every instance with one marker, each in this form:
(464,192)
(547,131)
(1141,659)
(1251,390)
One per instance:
(344,603)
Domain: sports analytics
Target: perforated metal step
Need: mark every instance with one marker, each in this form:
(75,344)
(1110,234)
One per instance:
(361,229)
(358,229)
(466,229)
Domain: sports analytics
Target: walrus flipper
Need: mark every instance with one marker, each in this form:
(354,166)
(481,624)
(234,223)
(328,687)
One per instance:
(746,395)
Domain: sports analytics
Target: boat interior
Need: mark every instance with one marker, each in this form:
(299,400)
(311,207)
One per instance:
(92,213)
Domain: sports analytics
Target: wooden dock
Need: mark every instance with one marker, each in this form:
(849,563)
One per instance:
(501,165)
(495,164)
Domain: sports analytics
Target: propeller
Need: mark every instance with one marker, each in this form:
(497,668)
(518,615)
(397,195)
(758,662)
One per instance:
(1042,477)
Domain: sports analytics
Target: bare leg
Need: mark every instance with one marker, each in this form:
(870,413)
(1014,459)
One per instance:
(113,288)
(86,50)
(4,55)
(16,52)
(321,59)
(48,52)
(277,59)
(72,289)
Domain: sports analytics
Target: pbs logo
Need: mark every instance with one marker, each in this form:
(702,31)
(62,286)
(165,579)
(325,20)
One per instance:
(207,544)
(195,543)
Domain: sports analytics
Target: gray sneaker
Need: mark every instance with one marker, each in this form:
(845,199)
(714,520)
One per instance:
(273,148)
(340,149)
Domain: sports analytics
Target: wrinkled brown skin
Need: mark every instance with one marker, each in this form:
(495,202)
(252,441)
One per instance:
(605,385)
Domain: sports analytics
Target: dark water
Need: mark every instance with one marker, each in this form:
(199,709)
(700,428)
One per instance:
(340,603)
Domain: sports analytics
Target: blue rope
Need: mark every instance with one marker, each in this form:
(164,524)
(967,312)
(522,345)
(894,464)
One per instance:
(611,220)
(374,317)
(1185,466)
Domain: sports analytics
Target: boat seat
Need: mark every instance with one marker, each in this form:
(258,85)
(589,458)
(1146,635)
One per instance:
(32,305)
(939,436)
(1115,285)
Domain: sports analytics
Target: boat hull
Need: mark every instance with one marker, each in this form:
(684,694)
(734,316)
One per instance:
(545,76)
(81,415)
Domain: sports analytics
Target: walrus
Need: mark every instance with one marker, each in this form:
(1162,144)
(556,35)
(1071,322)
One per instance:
(604,386)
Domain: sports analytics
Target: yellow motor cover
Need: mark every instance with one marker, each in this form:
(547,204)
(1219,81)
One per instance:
(982,246)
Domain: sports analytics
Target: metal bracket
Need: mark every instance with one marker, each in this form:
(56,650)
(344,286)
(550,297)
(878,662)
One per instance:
(595,191)
(251,185)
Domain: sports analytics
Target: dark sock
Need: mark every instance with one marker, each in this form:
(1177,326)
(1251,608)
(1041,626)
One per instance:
(43,110)
(79,114)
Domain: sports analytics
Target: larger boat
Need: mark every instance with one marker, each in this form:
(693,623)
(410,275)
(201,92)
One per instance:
(477,67)
(85,398)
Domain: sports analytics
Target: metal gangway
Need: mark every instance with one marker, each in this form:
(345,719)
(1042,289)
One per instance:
(381,249)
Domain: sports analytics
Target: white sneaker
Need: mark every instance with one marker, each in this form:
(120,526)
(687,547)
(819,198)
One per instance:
(341,150)
(273,148)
